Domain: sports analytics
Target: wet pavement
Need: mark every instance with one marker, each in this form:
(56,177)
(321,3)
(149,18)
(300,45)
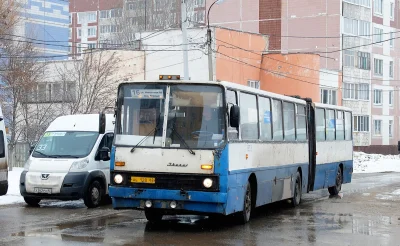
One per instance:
(366,213)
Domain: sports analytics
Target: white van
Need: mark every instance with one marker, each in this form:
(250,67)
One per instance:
(3,157)
(71,161)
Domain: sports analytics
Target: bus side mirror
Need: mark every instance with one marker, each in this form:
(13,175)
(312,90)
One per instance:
(234,116)
(102,123)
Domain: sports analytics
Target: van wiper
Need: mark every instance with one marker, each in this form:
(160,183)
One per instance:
(173,130)
(45,155)
(67,156)
(152,131)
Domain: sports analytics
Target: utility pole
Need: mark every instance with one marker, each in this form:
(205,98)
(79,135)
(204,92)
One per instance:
(184,40)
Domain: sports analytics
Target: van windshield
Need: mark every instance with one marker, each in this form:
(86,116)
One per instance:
(65,144)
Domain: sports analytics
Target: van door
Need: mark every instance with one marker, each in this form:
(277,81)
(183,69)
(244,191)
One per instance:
(105,165)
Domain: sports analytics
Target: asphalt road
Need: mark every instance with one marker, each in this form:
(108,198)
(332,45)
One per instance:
(366,213)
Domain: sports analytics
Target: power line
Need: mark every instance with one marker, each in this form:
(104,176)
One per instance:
(308,68)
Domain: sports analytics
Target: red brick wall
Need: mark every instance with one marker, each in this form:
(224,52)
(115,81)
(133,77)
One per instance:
(270,12)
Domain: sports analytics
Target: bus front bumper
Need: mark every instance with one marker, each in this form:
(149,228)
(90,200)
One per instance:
(196,202)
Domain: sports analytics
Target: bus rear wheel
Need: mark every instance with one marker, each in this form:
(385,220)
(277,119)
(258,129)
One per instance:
(334,190)
(244,216)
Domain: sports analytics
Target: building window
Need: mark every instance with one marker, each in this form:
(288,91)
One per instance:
(356,91)
(328,96)
(391,69)
(378,67)
(361,123)
(69,47)
(350,26)
(349,58)
(199,3)
(378,35)
(91,46)
(377,127)
(364,60)
(378,97)
(79,32)
(364,28)
(390,128)
(366,3)
(70,18)
(391,39)
(92,32)
(70,33)
(92,16)
(391,98)
(115,13)
(254,84)
(391,10)
(104,14)
(378,7)
(80,17)
(79,49)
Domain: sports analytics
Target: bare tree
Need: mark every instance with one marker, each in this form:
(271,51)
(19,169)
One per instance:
(90,83)
(8,16)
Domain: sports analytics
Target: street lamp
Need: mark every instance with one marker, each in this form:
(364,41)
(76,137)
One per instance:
(210,67)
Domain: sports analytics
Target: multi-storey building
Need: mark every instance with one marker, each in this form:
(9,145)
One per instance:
(45,24)
(355,39)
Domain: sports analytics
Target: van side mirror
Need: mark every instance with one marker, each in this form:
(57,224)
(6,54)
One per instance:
(234,116)
(104,154)
(102,123)
(31,149)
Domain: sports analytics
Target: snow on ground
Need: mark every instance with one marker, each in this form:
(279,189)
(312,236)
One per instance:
(363,163)
(13,195)
(374,163)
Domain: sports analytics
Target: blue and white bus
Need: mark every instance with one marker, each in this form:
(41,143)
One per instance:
(182,147)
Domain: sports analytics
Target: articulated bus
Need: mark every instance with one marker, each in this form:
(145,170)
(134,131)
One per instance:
(3,157)
(183,147)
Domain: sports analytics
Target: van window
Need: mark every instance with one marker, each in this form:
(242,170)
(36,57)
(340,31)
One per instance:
(2,145)
(107,141)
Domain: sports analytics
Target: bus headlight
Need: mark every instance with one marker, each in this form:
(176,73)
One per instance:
(118,179)
(207,182)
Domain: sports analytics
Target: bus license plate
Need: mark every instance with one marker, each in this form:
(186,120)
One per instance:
(42,190)
(145,180)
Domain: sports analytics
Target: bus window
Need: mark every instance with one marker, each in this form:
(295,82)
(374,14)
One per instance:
(231,99)
(347,122)
(2,145)
(320,124)
(248,117)
(288,121)
(301,123)
(277,120)
(339,126)
(330,124)
(265,118)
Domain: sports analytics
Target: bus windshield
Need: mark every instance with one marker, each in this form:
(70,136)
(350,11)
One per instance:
(195,116)
(66,144)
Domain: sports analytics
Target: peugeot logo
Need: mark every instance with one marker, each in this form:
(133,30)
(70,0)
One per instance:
(171,164)
(45,176)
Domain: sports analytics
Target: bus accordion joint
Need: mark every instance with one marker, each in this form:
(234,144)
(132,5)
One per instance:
(120,163)
(206,166)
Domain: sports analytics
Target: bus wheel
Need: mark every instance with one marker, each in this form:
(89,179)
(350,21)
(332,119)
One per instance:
(31,201)
(297,191)
(93,196)
(244,216)
(334,190)
(153,215)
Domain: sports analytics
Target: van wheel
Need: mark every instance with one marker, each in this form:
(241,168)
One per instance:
(93,195)
(31,201)
(297,191)
(334,190)
(3,189)
(244,216)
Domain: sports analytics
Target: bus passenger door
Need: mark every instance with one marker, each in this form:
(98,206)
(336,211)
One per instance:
(311,145)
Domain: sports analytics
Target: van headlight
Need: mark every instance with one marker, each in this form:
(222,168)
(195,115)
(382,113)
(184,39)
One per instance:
(79,164)
(27,164)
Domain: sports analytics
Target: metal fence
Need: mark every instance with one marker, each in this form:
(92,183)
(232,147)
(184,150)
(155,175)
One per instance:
(18,155)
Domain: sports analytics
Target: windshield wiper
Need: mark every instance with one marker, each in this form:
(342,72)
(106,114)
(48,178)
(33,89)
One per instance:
(173,130)
(144,139)
(46,155)
(67,156)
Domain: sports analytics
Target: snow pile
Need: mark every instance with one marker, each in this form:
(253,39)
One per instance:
(375,163)
(13,195)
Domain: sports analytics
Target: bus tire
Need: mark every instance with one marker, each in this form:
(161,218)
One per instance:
(297,191)
(245,214)
(334,190)
(94,194)
(153,215)
(31,201)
